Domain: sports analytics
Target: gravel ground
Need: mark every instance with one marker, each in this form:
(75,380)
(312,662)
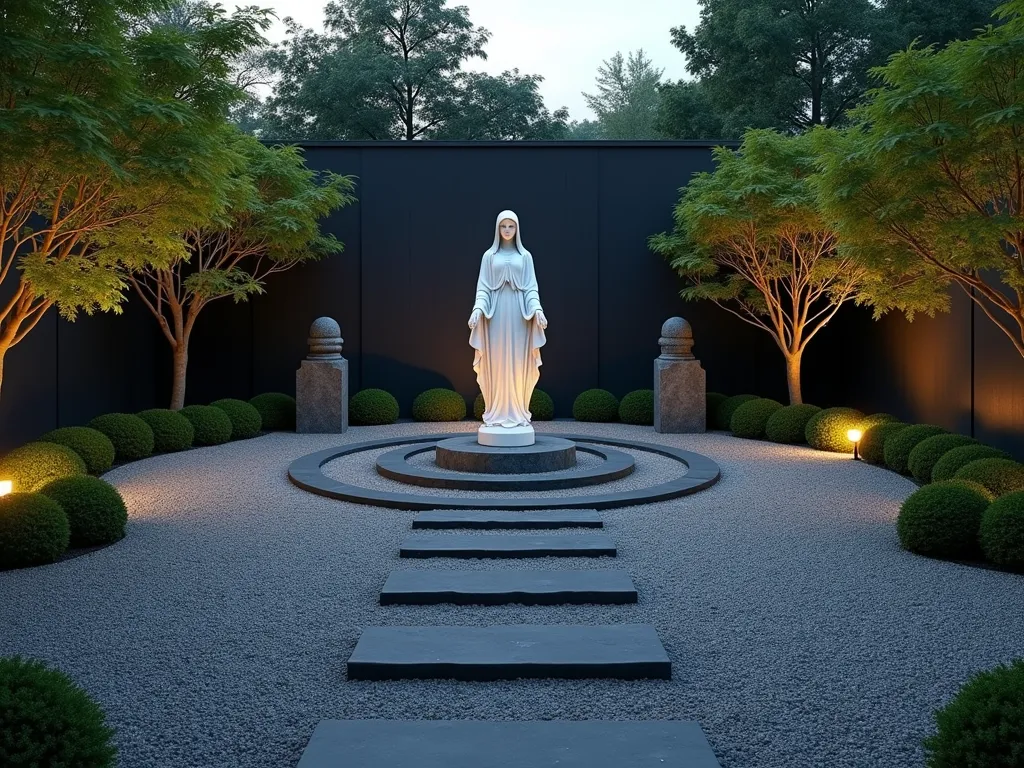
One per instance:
(216,633)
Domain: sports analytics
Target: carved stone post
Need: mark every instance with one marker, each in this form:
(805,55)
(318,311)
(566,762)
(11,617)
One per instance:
(321,383)
(680,386)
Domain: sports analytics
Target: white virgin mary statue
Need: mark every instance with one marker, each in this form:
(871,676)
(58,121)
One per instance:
(507,331)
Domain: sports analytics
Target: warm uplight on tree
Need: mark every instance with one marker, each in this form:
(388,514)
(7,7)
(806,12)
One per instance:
(6,486)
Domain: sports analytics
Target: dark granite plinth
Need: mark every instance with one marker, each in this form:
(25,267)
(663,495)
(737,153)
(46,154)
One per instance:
(567,651)
(469,546)
(508,744)
(465,454)
(526,587)
(497,519)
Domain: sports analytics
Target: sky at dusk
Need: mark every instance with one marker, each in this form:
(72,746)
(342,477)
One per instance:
(565,41)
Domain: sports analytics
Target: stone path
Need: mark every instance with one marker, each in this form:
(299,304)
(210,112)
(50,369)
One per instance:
(488,653)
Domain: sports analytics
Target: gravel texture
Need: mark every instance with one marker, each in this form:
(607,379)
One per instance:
(216,633)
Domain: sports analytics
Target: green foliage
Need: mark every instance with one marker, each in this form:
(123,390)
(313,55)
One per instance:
(597,405)
(110,146)
(439,404)
(942,520)
(826,430)
(399,71)
(479,406)
(94,508)
(983,726)
(371,407)
(277,411)
(637,407)
(211,425)
(952,460)
(875,419)
(685,112)
(789,423)
(896,451)
(921,187)
(711,402)
(171,430)
(872,443)
(725,409)
(542,407)
(47,720)
(245,419)
(33,465)
(749,237)
(1001,476)
(33,530)
(1002,536)
(926,454)
(626,102)
(132,437)
(751,418)
(92,445)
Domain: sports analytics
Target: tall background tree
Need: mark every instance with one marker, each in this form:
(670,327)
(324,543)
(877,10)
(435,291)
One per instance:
(626,101)
(394,69)
(107,147)
(270,224)
(750,237)
(929,182)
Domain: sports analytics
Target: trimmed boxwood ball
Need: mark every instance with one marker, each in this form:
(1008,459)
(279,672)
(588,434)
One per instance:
(1002,533)
(33,530)
(92,445)
(826,430)
(711,402)
(372,407)
(898,447)
(212,426)
(33,465)
(637,407)
(751,419)
(951,461)
(277,411)
(872,442)
(542,407)
(48,720)
(788,424)
(439,404)
(94,508)
(171,430)
(925,454)
(875,419)
(1001,476)
(983,725)
(479,406)
(132,437)
(725,409)
(246,421)
(942,520)
(598,405)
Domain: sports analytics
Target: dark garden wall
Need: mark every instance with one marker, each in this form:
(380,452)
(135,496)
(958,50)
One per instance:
(404,287)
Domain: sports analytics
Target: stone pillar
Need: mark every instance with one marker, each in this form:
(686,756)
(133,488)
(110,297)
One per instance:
(321,383)
(680,387)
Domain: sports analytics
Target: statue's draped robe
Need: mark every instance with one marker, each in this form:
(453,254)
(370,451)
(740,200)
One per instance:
(508,337)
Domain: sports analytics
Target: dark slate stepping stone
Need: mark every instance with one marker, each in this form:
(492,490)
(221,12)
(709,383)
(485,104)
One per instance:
(504,744)
(500,587)
(619,651)
(484,519)
(467,545)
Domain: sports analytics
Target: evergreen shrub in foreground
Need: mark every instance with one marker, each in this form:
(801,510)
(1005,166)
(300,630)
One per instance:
(750,420)
(132,437)
(211,425)
(277,411)
(95,510)
(637,407)
(826,430)
(872,442)
(596,405)
(33,531)
(1002,532)
(372,407)
(246,421)
(942,520)
(725,409)
(33,465)
(952,460)
(92,445)
(1001,476)
(171,431)
(439,404)
(789,424)
(898,447)
(926,454)
(47,720)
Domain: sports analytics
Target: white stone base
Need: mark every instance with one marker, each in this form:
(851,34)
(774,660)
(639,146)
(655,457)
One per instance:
(506,437)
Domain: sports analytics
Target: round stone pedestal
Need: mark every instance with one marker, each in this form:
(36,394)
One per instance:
(506,437)
(465,454)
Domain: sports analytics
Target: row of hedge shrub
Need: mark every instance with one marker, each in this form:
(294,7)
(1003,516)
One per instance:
(374,407)
(58,503)
(972,483)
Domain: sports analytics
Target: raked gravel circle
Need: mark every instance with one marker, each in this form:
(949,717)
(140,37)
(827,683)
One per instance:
(216,633)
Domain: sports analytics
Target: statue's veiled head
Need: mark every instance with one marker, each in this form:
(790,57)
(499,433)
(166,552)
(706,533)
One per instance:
(507,232)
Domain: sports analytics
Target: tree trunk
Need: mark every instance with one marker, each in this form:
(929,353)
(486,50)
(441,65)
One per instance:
(3,353)
(180,368)
(793,377)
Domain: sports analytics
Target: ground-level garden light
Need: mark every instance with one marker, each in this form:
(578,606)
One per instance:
(6,486)
(854,436)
